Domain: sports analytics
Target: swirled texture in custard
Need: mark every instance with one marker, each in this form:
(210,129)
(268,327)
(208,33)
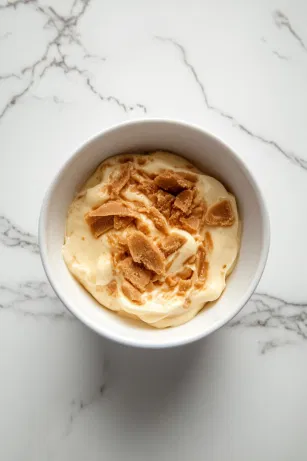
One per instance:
(151,237)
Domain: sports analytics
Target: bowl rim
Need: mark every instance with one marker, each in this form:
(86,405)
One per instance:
(99,328)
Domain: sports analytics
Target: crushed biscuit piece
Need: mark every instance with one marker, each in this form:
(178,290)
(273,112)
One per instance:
(139,175)
(99,225)
(150,287)
(187,303)
(172,182)
(118,256)
(135,273)
(101,219)
(163,202)
(170,263)
(190,224)
(155,278)
(121,222)
(131,292)
(190,260)
(186,273)
(199,211)
(171,244)
(202,265)
(117,241)
(183,286)
(112,208)
(209,241)
(112,288)
(171,281)
(174,219)
(220,214)
(144,251)
(145,184)
(119,179)
(157,218)
(142,227)
(147,188)
(158,283)
(184,200)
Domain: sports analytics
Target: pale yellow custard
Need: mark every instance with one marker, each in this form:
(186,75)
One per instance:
(150,236)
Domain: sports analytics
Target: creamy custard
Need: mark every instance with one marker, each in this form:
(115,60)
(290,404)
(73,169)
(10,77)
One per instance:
(151,237)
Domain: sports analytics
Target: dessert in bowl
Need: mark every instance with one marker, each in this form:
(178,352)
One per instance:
(156,215)
(151,237)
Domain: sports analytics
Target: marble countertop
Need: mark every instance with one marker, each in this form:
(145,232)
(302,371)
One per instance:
(71,68)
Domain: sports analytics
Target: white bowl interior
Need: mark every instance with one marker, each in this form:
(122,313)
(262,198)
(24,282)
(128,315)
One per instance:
(211,156)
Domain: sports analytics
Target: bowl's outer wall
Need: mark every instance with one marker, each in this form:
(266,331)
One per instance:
(211,156)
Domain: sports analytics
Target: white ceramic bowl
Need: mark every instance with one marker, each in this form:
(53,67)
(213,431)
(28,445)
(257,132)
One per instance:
(213,157)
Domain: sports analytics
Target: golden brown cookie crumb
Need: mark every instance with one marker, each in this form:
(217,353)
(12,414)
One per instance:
(186,273)
(142,227)
(112,208)
(184,200)
(112,288)
(100,225)
(135,273)
(101,219)
(157,218)
(121,222)
(144,183)
(144,251)
(163,201)
(190,260)
(171,280)
(172,182)
(190,224)
(174,219)
(220,214)
(187,303)
(183,286)
(209,241)
(202,265)
(131,292)
(120,179)
(150,287)
(172,243)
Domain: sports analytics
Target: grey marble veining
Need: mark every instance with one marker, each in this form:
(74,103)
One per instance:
(276,316)
(13,236)
(282,21)
(65,42)
(291,156)
(262,310)
(33,299)
(70,68)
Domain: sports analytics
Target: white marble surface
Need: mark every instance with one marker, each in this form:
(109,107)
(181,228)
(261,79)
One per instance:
(71,68)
